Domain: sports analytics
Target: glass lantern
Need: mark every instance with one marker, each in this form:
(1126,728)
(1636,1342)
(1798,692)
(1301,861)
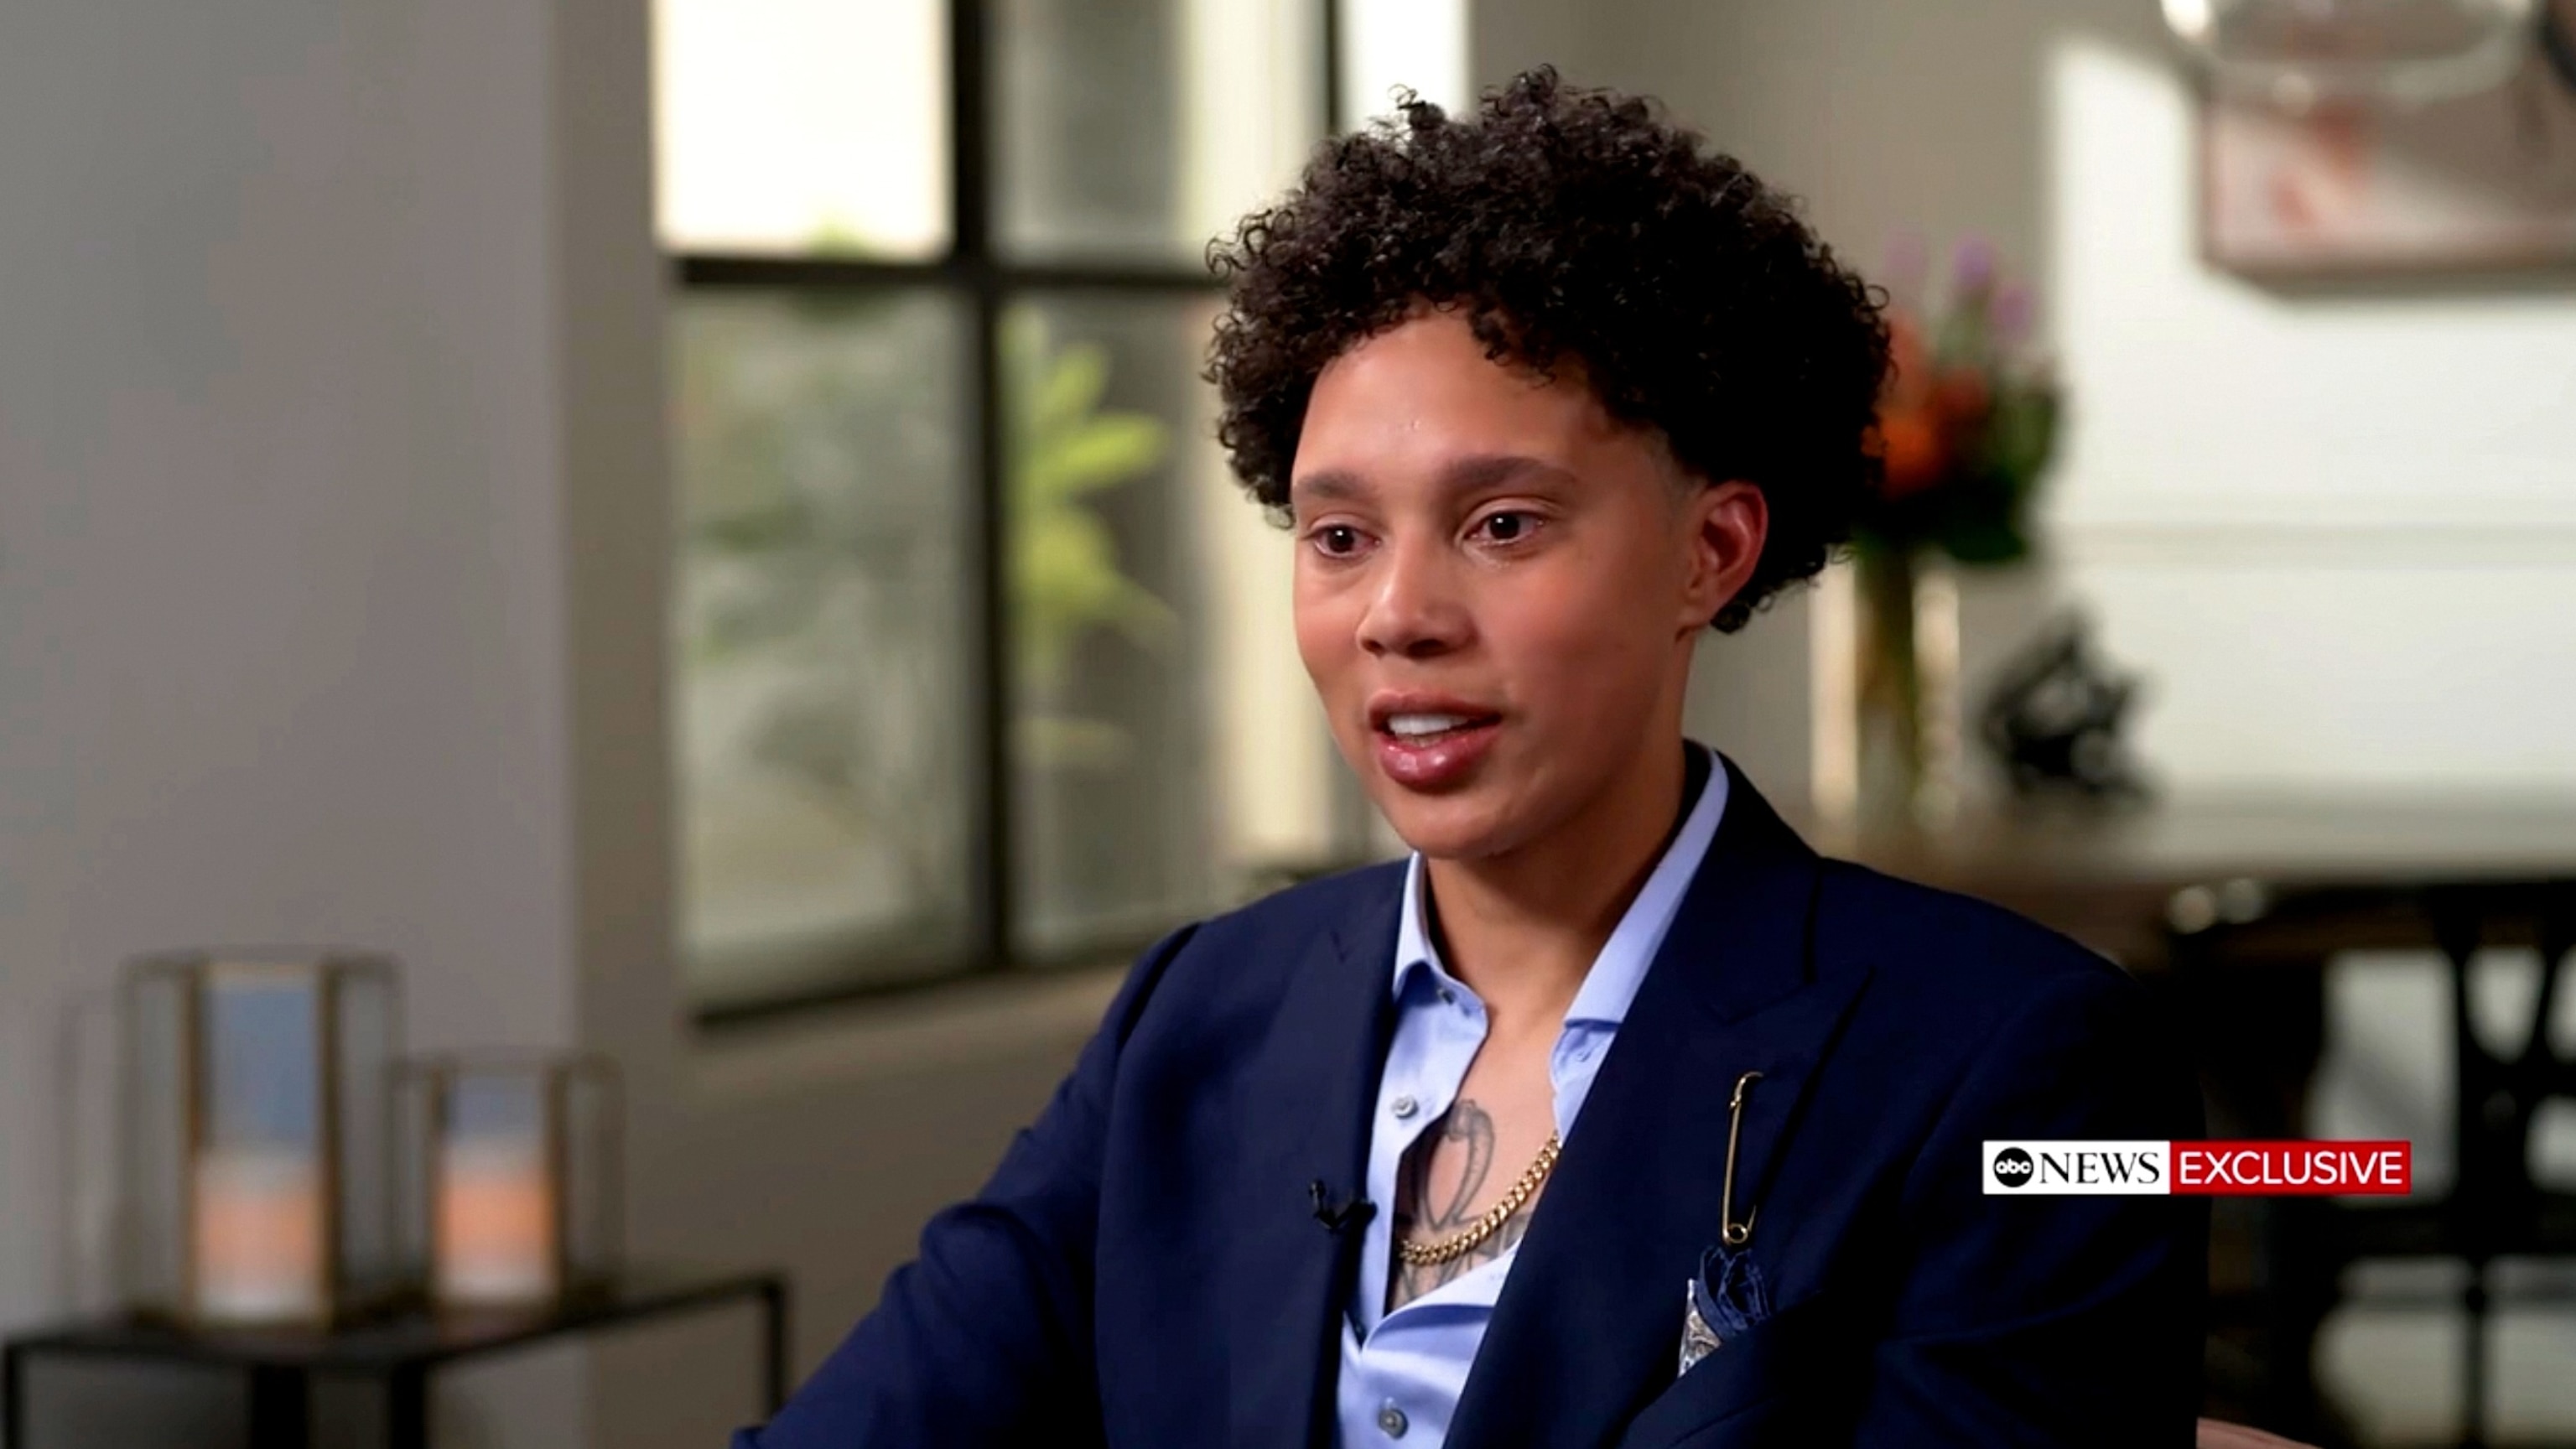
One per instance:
(258,1147)
(510,1176)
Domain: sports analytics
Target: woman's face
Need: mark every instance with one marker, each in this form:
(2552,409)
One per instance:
(1498,586)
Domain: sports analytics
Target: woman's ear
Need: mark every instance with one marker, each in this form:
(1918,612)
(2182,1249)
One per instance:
(1724,525)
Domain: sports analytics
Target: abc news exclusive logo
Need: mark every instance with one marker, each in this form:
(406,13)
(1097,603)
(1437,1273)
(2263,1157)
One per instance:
(2198,1169)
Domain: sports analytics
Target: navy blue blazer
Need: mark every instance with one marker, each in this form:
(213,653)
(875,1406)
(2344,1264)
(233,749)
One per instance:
(1147,1267)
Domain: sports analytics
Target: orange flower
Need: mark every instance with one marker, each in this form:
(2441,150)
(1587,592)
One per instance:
(1908,374)
(1962,396)
(1910,445)
(1909,434)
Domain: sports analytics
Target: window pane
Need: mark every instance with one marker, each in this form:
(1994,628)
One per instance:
(1112,821)
(826,766)
(803,125)
(1134,130)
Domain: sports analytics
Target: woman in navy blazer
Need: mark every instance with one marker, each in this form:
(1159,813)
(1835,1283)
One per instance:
(1646,1126)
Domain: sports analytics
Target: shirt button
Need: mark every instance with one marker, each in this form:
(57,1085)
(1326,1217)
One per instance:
(1392,1420)
(1448,997)
(1404,1108)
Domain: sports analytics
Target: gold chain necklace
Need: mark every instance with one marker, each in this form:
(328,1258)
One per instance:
(1425,1255)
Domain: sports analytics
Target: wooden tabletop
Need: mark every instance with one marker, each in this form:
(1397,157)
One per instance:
(2113,878)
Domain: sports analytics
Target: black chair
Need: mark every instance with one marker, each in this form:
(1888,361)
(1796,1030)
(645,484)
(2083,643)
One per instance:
(2251,989)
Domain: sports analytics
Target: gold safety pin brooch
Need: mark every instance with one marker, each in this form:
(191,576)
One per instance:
(1730,1232)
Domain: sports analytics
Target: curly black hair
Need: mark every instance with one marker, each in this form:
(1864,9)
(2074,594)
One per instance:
(1572,224)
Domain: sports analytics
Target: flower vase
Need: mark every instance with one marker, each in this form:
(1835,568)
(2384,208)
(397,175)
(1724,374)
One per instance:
(1906,689)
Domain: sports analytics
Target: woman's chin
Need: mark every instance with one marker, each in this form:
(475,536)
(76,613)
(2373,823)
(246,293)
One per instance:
(1450,829)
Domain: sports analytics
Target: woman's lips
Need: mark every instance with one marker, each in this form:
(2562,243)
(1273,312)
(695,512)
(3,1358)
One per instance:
(1435,762)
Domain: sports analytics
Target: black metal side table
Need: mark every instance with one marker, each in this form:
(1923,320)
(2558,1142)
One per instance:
(399,1352)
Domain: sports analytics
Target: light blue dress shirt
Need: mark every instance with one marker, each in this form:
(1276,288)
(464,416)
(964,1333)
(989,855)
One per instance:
(1402,1371)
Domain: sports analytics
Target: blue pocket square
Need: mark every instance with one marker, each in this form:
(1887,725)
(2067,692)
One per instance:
(1727,1298)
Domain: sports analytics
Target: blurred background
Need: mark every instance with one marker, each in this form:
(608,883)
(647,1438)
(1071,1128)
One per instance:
(694,526)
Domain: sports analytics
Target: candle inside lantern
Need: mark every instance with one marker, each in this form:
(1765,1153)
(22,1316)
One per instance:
(258,1239)
(496,1222)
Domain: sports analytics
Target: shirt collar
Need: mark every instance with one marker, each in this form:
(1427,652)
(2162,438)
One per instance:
(1616,973)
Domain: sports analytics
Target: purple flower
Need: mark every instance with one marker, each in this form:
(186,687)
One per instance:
(1972,268)
(2012,313)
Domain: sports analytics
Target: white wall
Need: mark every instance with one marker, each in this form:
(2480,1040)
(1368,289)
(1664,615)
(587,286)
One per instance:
(2378,488)
(278,612)
(2357,509)
(280,648)
(282,549)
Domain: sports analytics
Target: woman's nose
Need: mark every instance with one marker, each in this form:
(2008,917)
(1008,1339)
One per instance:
(1414,610)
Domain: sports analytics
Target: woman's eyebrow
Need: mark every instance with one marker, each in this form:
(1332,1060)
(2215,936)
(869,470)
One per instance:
(1488,470)
(1332,485)
(1471,474)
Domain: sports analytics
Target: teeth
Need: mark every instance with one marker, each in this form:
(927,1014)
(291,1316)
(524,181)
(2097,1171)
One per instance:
(1423,724)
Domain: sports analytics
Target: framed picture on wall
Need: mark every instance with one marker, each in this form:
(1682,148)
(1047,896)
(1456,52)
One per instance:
(2481,182)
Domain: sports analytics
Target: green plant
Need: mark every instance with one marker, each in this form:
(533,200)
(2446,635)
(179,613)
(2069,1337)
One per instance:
(802,536)
(1063,451)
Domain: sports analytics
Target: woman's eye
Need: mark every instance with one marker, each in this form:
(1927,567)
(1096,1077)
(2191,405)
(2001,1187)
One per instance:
(1337,540)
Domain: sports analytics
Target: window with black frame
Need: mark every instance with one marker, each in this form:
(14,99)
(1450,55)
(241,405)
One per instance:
(979,657)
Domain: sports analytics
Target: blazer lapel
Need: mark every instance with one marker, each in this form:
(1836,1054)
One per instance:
(1311,1095)
(1589,1321)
